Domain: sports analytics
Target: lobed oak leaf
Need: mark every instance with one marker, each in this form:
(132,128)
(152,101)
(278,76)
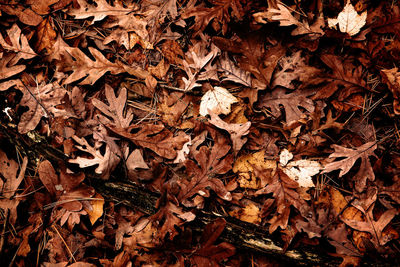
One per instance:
(208,163)
(169,217)
(220,13)
(232,73)
(114,109)
(293,68)
(372,226)
(348,19)
(284,194)
(68,190)
(218,100)
(196,63)
(7,71)
(106,162)
(19,45)
(155,137)
(209,254)
(84,67)
(25,15)
(42,101)
(290,102)
(10,184)
(99,11)
(236,130)
(344,74)
(350,157)
(284,15)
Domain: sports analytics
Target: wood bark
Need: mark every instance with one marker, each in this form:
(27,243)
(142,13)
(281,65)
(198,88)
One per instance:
(244,236)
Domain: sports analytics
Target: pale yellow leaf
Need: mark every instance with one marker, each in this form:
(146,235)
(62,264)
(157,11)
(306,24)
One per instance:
(349,20)
(218,100)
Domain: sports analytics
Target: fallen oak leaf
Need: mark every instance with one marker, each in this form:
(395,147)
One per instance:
(351,156)
(8,170)
(155,137)
(115,108)
(106,163)
(299,170)
(19,45)
(375,228)
(236,130)
(209,161)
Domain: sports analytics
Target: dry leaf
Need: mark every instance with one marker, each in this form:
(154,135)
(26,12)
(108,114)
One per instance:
(244,167)
(299,170)
(349,21)
(236,130)
(106,162)
(351,155)
(114,109)
(218,100)
(96,210)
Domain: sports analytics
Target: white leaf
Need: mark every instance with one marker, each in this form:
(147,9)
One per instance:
(300,171)
(218,100)
(349,21)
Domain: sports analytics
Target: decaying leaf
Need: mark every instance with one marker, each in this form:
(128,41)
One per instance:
(299,170)
(42,101)
(106,161)
(250,214)
(155,137)
(245,164)
(114,109)
(19,45)
(96,209)
(291,102)
(236,130)
(374,227)
(349,21)
(350,157)
(218,100)
(8,170)
(208,163)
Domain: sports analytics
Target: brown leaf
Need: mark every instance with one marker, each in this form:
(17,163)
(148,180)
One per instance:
(230,72)
(84,67)
(114,109)
(41,101)
(293,68)
(25,15)
(375,228)
(284,192)
(155,137)
(220,13)
(344,74)
(19,45)
(106,162)
(8,71)
(285,18)
(290,102)
(46,35)
(209,254)
(351,155)
(210,161)
(9,187)
(236,131)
